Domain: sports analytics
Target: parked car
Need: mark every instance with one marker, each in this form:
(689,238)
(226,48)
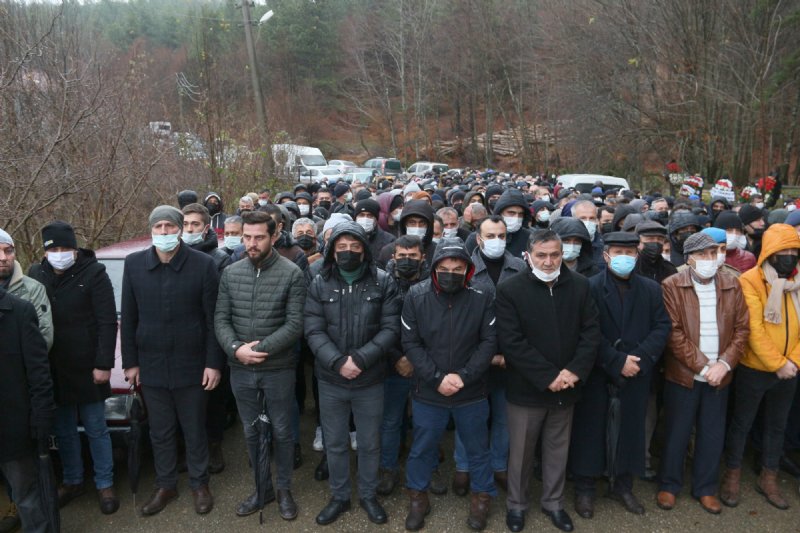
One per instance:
(341,164)
(385,166)
(317,175)
(361,174)
(420,168)
(584,183)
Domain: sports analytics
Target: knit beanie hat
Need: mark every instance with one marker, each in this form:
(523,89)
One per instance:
(59,233)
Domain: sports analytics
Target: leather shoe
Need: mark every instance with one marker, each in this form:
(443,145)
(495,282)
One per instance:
(665,500)
(331,512)
(515,520)
(376,513)
(321,473)
(584,506)
(710,504)
(560,519)
(461,483)
(250,505)
(159,500)
(203,501)
(67,493)
(108,500)
(628,501)
(286,505)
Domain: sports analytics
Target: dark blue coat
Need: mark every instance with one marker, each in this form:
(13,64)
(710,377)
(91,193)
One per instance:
(637,325)
(167,325)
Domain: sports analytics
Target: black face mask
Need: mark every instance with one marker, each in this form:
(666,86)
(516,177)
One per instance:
(784,265)
(652,251)
(348,261)
(661,217)
(306,242)
(213,208)
(492,203)
(450,282)
(407,268)
(757,234)
(607,227)
(680,239)
(325,204)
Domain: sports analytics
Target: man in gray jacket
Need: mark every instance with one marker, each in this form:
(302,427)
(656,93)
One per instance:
(258,320)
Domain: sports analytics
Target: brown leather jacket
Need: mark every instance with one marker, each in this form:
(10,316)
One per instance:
(683,358)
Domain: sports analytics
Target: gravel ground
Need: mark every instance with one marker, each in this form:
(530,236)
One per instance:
(448,514)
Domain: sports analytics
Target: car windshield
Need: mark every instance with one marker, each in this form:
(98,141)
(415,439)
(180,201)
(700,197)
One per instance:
(313,160)
(114,269)
(330,171)
(393,165)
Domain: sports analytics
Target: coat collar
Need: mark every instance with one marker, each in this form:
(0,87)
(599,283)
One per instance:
(176,263)
(724,283)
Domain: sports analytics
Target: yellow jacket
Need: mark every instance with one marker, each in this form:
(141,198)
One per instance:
(770,345)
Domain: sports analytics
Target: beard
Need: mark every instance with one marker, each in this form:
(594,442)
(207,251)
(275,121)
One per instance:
(258,259)
(6,272)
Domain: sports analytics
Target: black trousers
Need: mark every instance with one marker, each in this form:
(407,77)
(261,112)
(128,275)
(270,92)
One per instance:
(166,409)
(217,408)
(702,407)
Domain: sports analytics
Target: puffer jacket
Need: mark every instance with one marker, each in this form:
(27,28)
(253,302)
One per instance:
(34,292)
(770,345)
(741,260)
(449,333)
(261,304)
(361,320)
(682,357)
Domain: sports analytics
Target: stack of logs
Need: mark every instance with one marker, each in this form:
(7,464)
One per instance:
(504,142)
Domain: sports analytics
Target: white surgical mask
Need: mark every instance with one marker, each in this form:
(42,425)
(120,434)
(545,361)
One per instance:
(304,209)
(720,259)
(736,241)
(348,197)
(546,277)
(61,260)
(591,227)
(494,248)
(571,251)
(166,243)
(367,223)
(396,215)
(760,205)
(232,242)
(192,238)
(705,268)
(545,198)
(513,224)
(449,233)
(263,203)
(543,216)
(436,240)
(417,232)
(665,257)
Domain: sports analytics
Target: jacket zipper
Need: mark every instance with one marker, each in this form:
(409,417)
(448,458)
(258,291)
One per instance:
(786,323)
(253,310)
(450,314)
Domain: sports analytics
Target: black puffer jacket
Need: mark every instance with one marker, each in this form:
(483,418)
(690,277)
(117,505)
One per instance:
(567,227)
(210,245)
(449,333)
(361,320)
(261,304)
(84,326)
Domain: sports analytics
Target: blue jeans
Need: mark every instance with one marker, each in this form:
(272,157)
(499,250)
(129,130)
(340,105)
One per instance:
(498,435)
(430,423)
(69,443)
(395,398)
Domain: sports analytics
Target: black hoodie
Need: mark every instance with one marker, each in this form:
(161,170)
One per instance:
(567,227)
(218,218)
(516,242)
(419,208)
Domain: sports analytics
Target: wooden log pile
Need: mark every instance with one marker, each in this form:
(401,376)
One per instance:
(506,142)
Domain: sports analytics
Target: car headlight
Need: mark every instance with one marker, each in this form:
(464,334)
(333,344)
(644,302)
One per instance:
(118,406)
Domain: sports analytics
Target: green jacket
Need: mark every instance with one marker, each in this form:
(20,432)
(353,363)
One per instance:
(264,305)
(34,292)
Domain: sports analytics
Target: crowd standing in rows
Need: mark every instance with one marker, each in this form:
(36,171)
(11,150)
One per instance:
(553,329)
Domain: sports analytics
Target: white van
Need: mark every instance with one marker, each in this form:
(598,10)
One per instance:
(584,183)
(293,158)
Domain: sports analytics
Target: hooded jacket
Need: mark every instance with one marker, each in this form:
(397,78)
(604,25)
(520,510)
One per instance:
(385,220)
(679,221)
(361,320)
(770,345)
(572,227)
(217,219)
(445,333)
(516,242)
(34,292)
(419,208)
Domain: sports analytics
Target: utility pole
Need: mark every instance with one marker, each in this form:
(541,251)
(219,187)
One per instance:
(257,95)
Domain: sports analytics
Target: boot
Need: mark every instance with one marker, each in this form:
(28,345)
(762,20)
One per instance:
(388,481)
(10,521)
(729,488)
(479,510)
(767,485)
(461,483)
(418,509)
(216,460)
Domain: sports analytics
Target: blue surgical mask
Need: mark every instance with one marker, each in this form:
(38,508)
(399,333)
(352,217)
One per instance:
(192,238)
(232,241)
(166,243)
(622,265)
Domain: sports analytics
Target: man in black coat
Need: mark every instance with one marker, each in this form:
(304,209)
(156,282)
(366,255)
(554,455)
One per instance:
(169,293)
(449,336)
(26,394)
(352,322)
(84,338)
(548,331)
(635,328)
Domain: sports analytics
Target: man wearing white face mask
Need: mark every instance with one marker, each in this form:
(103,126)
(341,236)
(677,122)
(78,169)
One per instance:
(367,212)
(516,214)
(198,234)
(586,212)
(577,246)
(736,254)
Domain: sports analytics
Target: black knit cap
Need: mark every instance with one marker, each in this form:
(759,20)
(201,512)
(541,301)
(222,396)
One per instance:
(368,206)
(750,213)
(59,233)
(728,220)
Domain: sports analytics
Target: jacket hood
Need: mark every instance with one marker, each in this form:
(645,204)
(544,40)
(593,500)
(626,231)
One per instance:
(347,228)
(571,227)
(419,208)
(514,197)
(778,237)
(385,201)
(620,213)
(219,199)
(468,196)
(681,220)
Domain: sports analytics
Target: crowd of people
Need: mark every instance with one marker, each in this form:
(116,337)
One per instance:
(553,330)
